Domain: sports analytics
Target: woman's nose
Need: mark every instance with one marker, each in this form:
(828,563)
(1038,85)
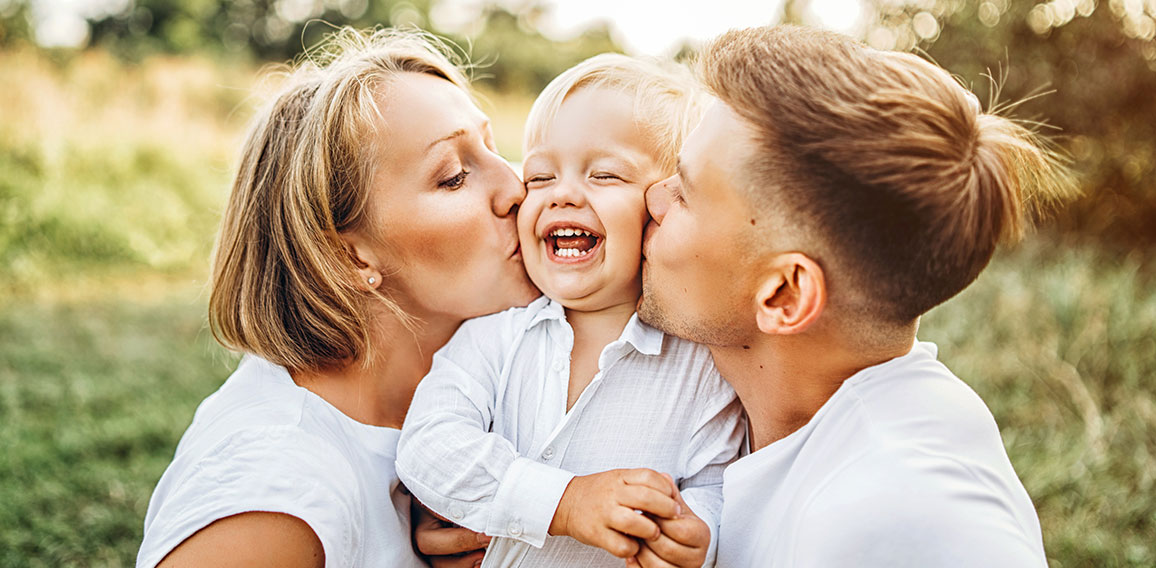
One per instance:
(508,190)
(658,198)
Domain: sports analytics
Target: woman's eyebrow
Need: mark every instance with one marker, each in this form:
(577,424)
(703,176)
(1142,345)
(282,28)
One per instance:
(485,126)
(447,138)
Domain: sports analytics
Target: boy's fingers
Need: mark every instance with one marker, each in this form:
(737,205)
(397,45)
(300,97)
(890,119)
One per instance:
(649,501)
(627,522)
(687,530)
(617,544)
(675,552)
(647,558)
(648,478)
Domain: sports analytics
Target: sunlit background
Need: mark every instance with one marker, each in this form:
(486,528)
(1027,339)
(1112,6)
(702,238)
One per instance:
(120,121)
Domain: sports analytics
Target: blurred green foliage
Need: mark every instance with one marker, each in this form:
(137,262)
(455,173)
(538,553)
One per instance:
(1097,55)
(1099,58)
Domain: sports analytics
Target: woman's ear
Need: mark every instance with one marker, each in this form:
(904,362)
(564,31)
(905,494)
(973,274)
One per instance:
(792,296)
(364,258)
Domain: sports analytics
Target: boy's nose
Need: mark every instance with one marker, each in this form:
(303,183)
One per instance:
(567,193)
(658,199)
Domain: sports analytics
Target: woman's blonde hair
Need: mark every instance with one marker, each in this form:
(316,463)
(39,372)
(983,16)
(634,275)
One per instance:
(884,158)
(284,284)
(668,101)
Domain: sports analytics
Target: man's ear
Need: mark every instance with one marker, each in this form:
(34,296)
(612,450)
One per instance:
(364,257)
(792,296)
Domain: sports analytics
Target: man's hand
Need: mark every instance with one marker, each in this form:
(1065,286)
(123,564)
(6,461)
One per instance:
(602,509)
(444,544)
(683,543)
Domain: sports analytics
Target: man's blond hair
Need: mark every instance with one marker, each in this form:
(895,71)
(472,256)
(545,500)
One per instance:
(884,159)
(284,284)
(668,102)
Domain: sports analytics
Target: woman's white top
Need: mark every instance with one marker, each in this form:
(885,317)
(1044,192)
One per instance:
(903,466)
(262,443)
(489,444)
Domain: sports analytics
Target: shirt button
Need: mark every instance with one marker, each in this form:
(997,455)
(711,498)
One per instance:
(515,528)
(548,453)
(456,513)
(559,365)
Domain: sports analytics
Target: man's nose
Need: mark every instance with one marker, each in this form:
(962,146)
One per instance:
(658,199)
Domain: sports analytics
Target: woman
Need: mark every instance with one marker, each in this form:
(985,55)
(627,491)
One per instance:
(370,216)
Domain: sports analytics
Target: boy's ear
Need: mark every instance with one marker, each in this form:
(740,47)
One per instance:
(364,258)
(792,296)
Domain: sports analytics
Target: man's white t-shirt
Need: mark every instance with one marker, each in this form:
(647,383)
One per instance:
(903,466)
(262,443)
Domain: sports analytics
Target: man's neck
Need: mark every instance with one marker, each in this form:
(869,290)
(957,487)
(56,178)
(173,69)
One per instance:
(783,381)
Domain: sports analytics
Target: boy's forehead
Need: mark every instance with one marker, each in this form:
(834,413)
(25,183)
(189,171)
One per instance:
(595,122)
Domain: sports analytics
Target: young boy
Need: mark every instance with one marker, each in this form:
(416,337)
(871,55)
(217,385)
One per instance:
(524,412)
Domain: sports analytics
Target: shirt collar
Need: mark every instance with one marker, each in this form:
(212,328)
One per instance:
(645,339)
(641,337)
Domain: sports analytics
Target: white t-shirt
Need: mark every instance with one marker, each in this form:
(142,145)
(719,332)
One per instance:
(488,441)
(261,443)
(903,466)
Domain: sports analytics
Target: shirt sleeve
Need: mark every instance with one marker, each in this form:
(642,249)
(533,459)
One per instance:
(453,464)
(715,444)
(270,469)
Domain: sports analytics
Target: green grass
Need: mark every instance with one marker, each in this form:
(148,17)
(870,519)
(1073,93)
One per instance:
(1060,343)
(93,398)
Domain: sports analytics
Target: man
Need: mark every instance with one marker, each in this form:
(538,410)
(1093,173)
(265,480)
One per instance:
(832,195)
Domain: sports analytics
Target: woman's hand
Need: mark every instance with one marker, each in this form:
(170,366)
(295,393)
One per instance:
(444,544)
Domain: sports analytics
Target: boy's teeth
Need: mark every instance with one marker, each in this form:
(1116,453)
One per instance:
(570,233)
(568,252)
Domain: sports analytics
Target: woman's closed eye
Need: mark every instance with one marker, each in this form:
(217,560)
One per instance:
(454,182)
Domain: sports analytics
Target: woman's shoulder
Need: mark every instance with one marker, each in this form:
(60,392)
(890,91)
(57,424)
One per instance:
(247,450)
(275,469)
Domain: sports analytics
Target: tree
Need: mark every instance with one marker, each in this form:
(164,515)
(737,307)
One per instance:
(1098,58)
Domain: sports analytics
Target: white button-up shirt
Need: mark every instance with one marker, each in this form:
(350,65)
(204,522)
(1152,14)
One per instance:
(488,441)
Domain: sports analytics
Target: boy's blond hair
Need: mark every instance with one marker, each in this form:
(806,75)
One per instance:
(668,101)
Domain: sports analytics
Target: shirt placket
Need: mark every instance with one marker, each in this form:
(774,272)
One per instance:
(554,448)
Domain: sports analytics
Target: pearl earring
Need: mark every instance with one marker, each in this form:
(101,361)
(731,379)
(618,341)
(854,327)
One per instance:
(372,281)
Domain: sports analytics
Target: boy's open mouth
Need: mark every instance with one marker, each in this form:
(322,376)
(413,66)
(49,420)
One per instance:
(572,242)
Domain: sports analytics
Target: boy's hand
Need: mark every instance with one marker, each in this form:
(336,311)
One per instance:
(601,509)
(683,543)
